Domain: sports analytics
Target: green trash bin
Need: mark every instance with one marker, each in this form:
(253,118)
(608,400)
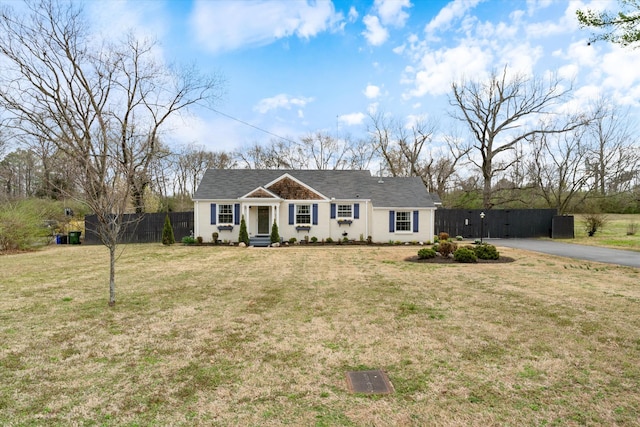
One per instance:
(74,237)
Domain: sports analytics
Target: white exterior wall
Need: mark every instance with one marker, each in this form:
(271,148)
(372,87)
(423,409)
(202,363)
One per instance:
(381,233)
(371,222)
(202,221)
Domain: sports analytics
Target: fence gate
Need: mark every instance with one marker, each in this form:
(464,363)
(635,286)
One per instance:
(497,223)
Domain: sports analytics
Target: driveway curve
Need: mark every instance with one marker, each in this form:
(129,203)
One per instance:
(571,250)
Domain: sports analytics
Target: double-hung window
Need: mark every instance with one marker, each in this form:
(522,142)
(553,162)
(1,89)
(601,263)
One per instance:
(403,221)
(345,211)
(303,214)
(225,214)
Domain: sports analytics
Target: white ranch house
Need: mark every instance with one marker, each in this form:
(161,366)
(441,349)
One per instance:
(312,203)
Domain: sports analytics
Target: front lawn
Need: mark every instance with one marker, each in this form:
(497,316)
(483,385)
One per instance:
(265,336)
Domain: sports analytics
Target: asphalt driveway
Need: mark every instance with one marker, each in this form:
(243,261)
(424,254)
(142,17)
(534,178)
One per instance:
(570,250)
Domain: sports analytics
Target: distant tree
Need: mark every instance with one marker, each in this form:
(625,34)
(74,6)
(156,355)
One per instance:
(278,154)
(501,112)
(557,166)
(243,235)
(614,157)
(622,27)
(322,152)
(167,232)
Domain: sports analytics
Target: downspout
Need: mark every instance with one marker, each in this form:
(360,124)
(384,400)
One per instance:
(196,223)
(366,218)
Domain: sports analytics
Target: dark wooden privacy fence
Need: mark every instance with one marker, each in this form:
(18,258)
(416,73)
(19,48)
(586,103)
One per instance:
(143,228)
(498,223)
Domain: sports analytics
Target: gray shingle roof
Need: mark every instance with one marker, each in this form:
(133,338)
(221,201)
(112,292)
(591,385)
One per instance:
(229,184)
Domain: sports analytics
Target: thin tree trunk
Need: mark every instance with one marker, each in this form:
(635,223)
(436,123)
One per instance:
(112,275)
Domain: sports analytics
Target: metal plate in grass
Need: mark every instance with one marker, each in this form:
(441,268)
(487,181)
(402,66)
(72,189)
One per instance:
(371,382)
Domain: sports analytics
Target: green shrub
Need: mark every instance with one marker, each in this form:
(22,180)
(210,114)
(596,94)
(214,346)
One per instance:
(465,254)
(243,236)
(292,240)
(22,225)
(188,240)
(314,239)
(329,240)
(458,238)
(447,248)
(426,253)
(275,235)
(486,251)
(167,232)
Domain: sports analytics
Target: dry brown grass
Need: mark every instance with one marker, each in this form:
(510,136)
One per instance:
(264,337)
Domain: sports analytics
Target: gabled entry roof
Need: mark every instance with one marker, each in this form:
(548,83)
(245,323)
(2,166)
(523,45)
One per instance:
(230,184)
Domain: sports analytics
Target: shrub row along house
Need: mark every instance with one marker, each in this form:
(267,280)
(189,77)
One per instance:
(312,203)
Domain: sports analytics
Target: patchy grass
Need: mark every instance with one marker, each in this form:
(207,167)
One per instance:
(614,234)
(264,337)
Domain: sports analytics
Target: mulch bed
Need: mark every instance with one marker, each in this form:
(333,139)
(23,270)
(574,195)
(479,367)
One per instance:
(446,260)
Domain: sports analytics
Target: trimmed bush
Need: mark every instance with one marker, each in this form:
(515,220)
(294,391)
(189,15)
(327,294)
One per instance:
(167,232)
(426,253)
(442,236)
(275,235)
(486,251)
(243,236)
(465,254)
(329,240)
(292,240)
(314,239)
(214,238)
(446,248)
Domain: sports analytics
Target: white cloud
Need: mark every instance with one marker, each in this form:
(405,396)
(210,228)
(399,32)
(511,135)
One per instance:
(375,33)
(385,13)
(352,119)
(391,12)
(438,69)
(227,25)
(281,101)
(372,91)
(455,9)
(353,14)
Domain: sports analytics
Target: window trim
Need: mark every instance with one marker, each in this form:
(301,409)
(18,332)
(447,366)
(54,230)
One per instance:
(298,214)
(408,221)
(229,214)
(349,205)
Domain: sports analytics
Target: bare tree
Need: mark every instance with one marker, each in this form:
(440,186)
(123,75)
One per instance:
(278,154)
(502,111)
(103,105)
(613,157)
(557,166)
(361,154)
(321,151)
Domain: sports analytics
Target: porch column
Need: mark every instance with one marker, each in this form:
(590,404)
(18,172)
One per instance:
(245,209)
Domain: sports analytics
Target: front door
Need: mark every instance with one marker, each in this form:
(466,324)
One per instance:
(263,219)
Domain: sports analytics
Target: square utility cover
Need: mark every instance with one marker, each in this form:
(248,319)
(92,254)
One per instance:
(372,382)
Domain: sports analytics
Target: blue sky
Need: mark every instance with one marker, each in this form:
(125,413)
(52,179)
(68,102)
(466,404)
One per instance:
(298,67)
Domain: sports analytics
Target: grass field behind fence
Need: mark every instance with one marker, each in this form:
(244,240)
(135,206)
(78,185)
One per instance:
(264,337)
